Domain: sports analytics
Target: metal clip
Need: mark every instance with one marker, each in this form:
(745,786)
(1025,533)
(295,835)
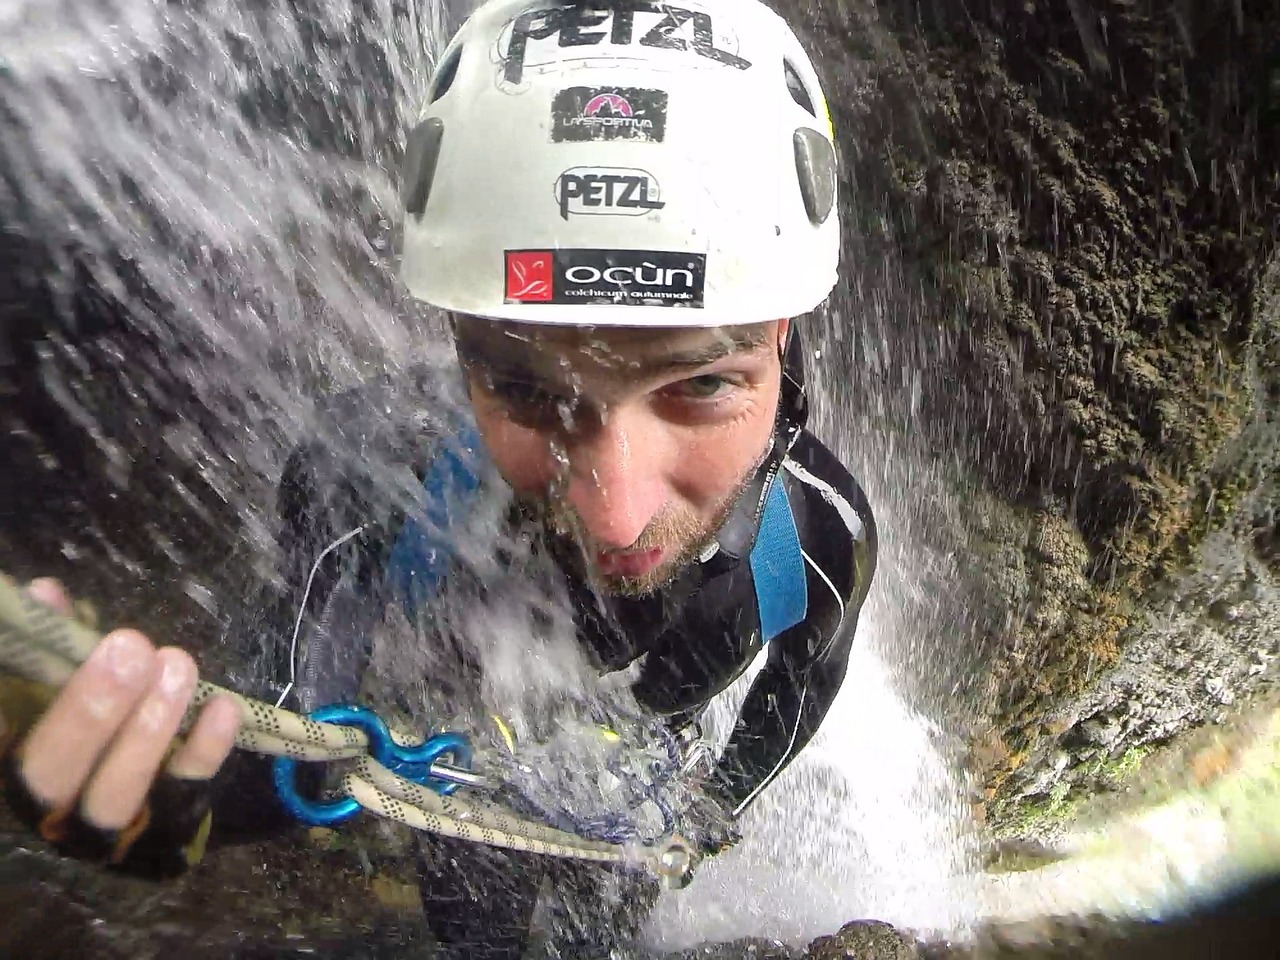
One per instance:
(695,751)
(674,864)
(420,764)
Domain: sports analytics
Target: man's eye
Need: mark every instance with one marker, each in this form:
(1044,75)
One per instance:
(521,394)
(705,387)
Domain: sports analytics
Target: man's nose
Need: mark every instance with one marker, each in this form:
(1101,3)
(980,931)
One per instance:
(615,477)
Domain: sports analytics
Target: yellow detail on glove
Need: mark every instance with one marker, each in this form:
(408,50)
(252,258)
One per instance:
(507,736)
(193,852)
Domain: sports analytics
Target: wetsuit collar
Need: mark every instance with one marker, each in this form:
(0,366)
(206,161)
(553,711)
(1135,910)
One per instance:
(738,535)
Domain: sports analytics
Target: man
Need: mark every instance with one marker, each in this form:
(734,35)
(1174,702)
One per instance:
(625,208)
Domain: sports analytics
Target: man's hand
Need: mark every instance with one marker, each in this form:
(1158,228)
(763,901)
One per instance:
(99,747)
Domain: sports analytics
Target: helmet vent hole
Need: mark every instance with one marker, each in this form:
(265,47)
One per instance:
(795,86)
(445,75)
(422,153)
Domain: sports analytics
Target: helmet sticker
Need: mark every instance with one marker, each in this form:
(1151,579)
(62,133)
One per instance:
(528,276)
(623,277)
(526,41)
(582,114)
(607,191)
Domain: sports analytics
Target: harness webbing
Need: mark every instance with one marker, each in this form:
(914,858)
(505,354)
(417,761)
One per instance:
(777,566)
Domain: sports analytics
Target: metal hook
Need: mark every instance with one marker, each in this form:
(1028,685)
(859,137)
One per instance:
(421,763)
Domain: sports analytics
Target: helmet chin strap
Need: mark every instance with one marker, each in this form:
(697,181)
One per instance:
(793,404)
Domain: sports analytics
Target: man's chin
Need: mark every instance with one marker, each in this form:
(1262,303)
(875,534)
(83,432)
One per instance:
(638,587)
(632,588)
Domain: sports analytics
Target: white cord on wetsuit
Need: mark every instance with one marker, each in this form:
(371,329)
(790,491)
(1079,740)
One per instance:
(302,608)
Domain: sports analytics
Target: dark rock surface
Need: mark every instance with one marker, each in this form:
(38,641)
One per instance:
(1064,218)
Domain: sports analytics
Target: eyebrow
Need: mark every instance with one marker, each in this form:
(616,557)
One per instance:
(726,345)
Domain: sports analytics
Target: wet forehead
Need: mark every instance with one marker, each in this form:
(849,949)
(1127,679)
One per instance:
(598,351)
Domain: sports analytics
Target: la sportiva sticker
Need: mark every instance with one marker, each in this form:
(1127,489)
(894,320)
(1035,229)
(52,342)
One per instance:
(577,31)
(582,114)
(625,277)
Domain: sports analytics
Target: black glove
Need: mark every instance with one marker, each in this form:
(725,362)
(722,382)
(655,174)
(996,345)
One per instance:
(707,821)
(166,837)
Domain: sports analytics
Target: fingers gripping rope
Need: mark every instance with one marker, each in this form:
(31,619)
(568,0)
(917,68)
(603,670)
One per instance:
(41,645)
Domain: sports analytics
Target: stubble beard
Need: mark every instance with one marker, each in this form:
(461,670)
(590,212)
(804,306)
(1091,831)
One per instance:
(691,538)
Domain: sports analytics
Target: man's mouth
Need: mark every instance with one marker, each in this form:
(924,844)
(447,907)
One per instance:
(629,563)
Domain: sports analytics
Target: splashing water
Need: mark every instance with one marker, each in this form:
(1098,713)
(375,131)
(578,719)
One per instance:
(220,173)
(872,820)
(865,824)
(223,174)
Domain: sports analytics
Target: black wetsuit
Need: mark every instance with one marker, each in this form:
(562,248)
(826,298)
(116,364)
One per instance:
(790,573)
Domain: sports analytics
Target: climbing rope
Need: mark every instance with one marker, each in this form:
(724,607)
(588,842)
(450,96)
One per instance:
(409,783)
(638,775)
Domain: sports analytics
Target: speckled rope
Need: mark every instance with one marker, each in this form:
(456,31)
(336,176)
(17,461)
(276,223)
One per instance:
(43,646)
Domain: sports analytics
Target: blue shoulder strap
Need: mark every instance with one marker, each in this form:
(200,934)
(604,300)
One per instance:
(422,554)
(777,566)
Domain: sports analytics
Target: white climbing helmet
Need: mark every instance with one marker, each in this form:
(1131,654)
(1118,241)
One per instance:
(623,162)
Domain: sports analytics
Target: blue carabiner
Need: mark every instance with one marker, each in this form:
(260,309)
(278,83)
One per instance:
(412,763)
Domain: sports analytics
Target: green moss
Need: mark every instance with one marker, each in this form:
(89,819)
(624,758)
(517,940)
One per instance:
(1243,807)
(1091,315)
(1020,819)
(1063,804)
(1126,765)
(1019,857)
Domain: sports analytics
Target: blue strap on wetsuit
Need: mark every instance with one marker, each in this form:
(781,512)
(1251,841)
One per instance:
(421,555)
(777,567)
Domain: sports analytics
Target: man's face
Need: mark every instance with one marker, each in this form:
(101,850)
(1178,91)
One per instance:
(634,443)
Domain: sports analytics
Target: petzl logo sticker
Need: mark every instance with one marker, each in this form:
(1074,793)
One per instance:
(607,191)
(569,33)
(582,114)
(529,276)
(624,277)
